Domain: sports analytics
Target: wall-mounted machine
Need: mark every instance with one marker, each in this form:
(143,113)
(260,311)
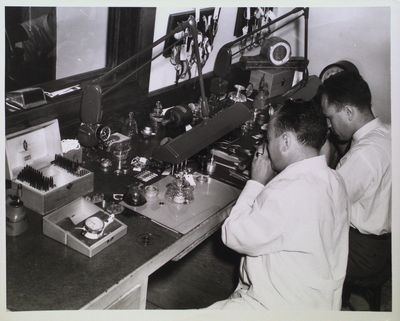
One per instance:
(275,62)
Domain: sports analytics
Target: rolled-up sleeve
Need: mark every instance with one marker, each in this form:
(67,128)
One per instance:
(254,226)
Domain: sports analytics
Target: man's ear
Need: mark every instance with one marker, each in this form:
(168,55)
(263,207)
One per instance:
(349,110)
(285,141)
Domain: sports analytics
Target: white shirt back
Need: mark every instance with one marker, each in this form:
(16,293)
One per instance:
(367,172)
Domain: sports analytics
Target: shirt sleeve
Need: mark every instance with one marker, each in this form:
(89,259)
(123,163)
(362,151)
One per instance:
(254,226)
(358,174)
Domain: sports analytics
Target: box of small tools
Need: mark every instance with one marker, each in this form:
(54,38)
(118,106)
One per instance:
(49,180)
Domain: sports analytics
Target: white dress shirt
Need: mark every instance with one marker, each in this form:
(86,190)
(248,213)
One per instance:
(367,172)
(294,235)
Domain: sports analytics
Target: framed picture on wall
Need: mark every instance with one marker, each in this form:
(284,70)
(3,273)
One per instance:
(173,21)
(249,19)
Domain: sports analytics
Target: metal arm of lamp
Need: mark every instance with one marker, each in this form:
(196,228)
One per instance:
(91,103)
(224,56)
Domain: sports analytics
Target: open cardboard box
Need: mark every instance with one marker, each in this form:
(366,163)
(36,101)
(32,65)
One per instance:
(65,225)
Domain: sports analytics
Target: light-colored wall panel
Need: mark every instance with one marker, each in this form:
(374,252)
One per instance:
(358,34)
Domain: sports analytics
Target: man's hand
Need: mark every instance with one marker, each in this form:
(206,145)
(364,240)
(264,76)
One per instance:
(261,169)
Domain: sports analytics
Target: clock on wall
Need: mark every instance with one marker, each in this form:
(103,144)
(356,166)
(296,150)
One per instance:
(331,69)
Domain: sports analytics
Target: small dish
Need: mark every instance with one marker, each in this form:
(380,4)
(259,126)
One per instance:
(151,191)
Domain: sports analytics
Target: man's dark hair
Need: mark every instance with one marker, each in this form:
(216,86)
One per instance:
(347,88)
(303,118)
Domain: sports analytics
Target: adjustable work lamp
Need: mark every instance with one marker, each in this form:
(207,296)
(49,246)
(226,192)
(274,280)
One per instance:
(91,104)
(183,146)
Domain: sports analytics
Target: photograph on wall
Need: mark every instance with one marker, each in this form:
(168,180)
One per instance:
(198,159)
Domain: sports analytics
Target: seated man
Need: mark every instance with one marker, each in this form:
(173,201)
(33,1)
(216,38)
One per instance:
(366,170)
(292,228)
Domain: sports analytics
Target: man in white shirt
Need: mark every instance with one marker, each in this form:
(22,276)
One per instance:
(366,170)
(292,228)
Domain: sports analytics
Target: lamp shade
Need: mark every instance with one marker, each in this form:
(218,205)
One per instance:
(199,137)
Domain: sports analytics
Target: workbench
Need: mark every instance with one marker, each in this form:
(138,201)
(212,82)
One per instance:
(43,274)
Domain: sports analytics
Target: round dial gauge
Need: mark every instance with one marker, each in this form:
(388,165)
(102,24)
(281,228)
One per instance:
(104,133)
(94,224)
(276,50)
(342,65)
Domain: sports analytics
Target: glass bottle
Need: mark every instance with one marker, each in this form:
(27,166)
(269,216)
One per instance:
(131,127)
(156,117)
(261,99)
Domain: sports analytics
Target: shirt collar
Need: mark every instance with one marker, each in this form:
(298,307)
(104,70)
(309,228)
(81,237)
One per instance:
(313,162)
(371,125)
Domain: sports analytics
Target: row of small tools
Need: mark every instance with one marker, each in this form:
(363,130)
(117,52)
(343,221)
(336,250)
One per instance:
(63,162)
(35,178)
(70,166)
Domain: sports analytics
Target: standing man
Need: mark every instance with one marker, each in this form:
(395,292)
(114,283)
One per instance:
(292,228)
(366,170)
